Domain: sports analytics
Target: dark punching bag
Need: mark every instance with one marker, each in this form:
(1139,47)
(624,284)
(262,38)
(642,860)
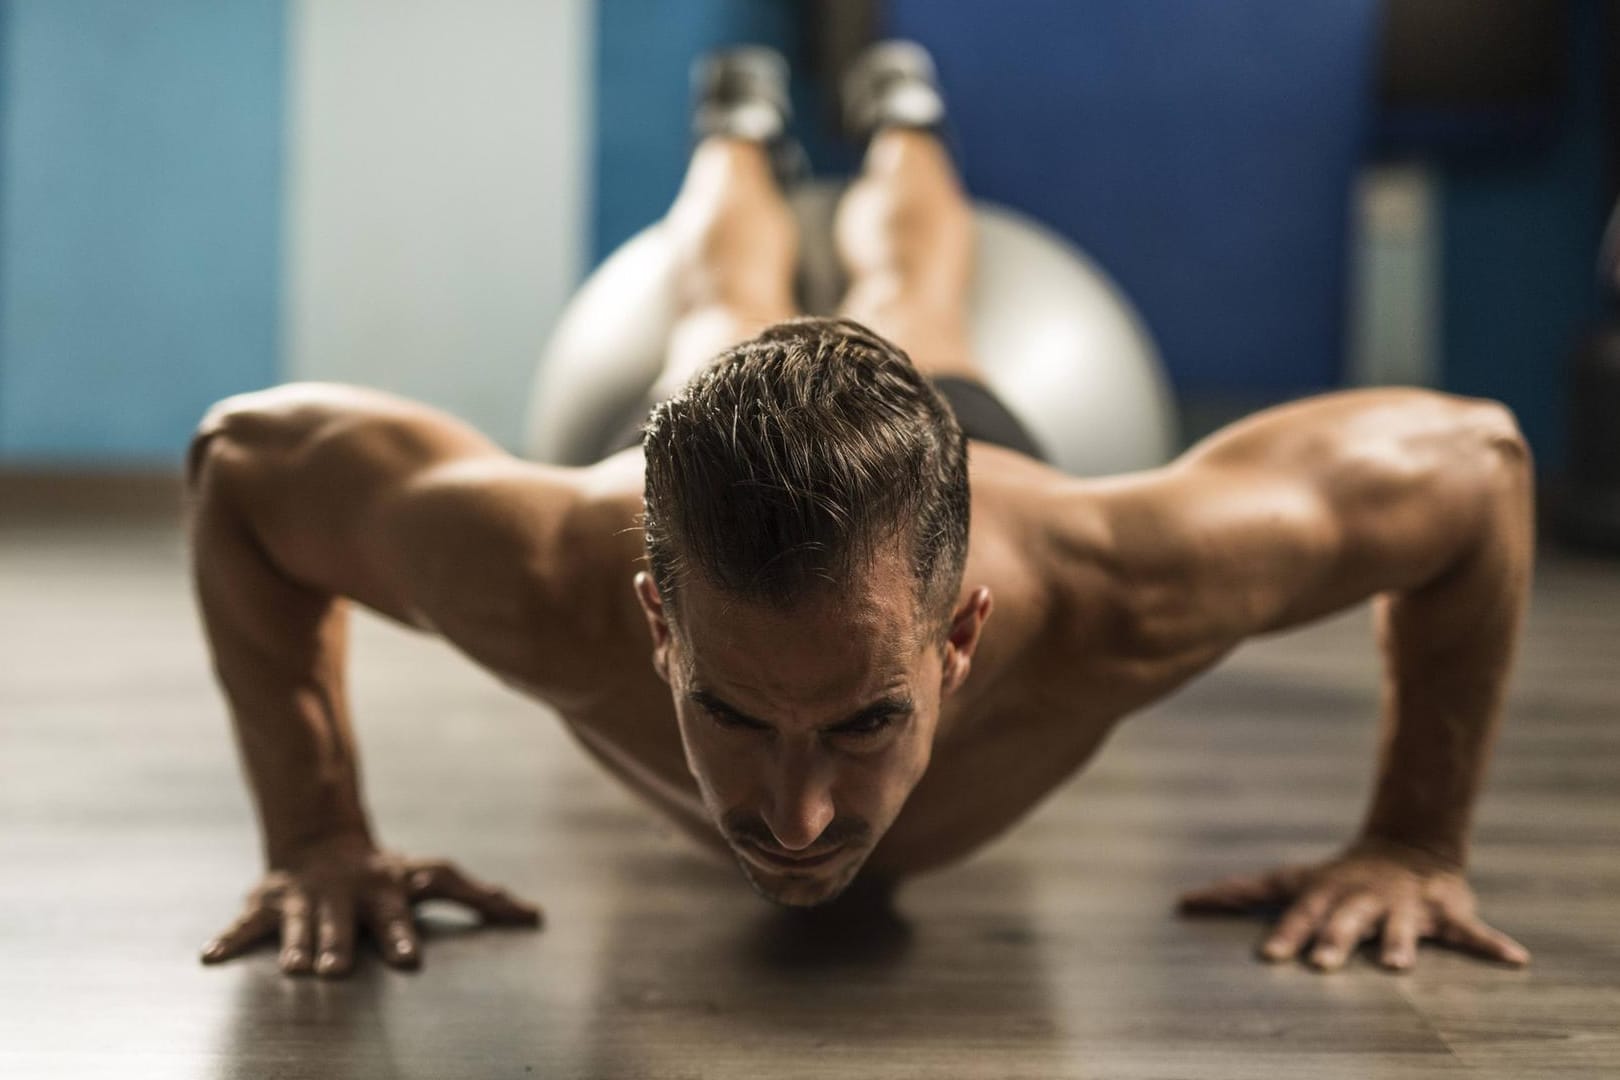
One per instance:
(1591,512)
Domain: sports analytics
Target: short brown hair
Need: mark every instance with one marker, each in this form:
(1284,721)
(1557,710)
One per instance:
(785,465)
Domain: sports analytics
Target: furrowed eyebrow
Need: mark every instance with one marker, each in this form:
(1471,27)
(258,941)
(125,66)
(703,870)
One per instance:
(896,705)
(713,703)
(880,709)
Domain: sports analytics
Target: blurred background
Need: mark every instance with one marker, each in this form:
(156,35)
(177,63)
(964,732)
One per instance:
(199,198)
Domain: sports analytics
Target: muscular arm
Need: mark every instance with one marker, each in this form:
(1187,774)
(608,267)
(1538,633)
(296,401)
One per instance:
(307,497)
(1419,499)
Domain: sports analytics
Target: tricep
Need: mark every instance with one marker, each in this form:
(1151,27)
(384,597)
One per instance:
(1301,510)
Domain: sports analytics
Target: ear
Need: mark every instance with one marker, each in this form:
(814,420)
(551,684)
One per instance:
(967,622)
(652,606)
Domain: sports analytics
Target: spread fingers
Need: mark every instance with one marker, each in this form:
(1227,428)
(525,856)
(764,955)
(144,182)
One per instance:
(335,941)
(1350,922)
(1296,926)
(297,933)
(251,927)
(1402,929)
(1469,933)
(1236,894)
(496,905)
(393,927)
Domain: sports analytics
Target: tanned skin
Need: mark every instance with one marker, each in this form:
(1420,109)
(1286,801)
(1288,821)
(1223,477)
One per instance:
(848,736)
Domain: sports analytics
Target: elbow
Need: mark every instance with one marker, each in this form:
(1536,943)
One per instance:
(269,424)
(1497,429)
(1505,484)
(1512,483)
(213,431)
(204,442)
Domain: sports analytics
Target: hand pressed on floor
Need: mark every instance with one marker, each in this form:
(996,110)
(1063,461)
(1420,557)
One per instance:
(1374,890)
(318,902)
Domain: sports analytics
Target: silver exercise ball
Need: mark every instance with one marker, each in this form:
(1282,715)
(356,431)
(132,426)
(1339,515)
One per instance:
(1057,340)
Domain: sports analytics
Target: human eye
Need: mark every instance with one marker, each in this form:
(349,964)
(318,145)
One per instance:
(866,726)
(732,721)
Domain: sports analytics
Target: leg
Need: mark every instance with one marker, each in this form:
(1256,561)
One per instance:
(905,235)
(737,244)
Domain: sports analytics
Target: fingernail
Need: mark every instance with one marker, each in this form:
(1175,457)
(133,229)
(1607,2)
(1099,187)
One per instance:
(213,949)
(327,961)
(1325,957)
(293,958)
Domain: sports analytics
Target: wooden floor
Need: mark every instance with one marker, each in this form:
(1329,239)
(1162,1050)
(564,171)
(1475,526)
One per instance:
(126,841)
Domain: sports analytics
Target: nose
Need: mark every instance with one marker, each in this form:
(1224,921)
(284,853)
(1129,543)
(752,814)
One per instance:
(800,805)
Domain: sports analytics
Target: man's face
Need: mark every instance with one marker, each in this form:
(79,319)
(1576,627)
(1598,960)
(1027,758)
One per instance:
(806,729)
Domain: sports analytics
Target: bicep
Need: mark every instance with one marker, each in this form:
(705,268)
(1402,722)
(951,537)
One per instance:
(477,549)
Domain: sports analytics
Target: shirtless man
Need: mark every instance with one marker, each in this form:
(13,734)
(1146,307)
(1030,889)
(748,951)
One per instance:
(779,624)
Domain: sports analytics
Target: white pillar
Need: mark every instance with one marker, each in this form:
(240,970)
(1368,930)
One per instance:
(436,215)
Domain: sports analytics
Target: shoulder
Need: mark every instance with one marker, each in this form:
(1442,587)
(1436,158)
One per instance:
(1286,516)
(1045,545)
(561,531)
(1184,561)
(526,567)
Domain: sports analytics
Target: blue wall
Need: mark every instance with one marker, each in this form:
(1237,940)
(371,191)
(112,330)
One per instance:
(1520,239)
(1203,153)
(140,211)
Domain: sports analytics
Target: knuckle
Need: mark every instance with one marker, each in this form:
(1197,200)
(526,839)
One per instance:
(1336,934)
(392,903)
(1306,912)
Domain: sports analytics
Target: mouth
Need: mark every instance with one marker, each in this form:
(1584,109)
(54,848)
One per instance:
(777,860)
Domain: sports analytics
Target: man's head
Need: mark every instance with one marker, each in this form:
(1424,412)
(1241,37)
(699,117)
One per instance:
(807,527)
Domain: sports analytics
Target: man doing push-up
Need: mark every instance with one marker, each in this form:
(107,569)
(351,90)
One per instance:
(831,613)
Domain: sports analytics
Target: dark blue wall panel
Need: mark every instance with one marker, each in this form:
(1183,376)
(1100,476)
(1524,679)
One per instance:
(1202,152)
(140,206)
(1520,239)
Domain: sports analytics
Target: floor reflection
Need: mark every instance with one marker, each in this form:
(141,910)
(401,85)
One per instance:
(862,928)
(732,986)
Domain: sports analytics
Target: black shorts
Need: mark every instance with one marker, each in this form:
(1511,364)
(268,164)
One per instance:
(981,413)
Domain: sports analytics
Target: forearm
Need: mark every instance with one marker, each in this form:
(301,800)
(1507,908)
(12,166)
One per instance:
(297,746)
(279,651)
(1449,646)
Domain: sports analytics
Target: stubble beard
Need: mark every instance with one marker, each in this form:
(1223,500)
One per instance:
(781,888)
